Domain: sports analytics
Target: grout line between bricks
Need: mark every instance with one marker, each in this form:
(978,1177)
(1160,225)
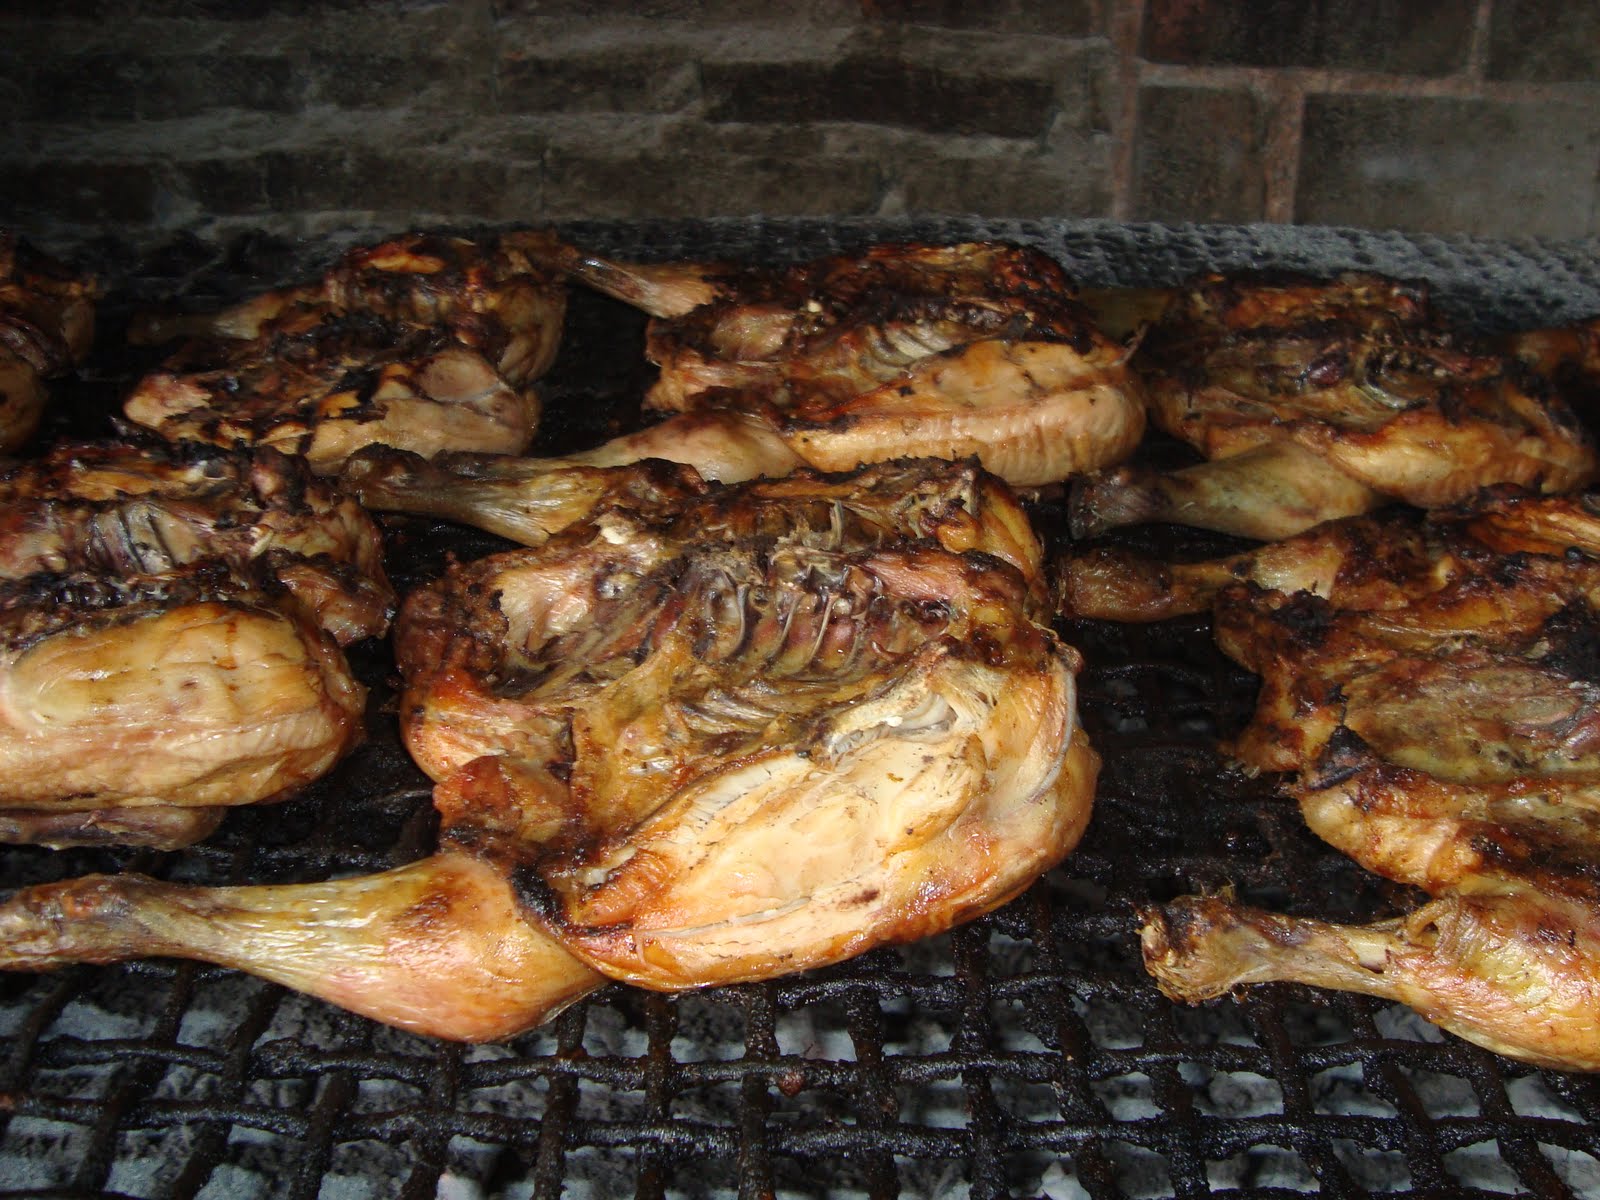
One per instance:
(1126,21)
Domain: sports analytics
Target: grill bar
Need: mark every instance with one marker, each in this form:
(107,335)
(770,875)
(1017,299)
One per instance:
(1025,1054)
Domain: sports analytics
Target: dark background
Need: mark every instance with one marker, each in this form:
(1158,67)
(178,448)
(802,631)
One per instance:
(212,116)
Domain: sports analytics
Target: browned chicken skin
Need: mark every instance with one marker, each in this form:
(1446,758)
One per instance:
(901,350)
(1317,401)
(172,621)
(46,325)
(425,343)
(720,735)
(1445,733)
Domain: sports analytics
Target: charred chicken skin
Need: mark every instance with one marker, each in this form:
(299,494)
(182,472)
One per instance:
(1311,402)
(46,325)
(715,737)
(1444,734)
(900,350)
(172,627)
(424,343)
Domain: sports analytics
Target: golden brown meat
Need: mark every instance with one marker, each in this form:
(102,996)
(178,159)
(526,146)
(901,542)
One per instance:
(116,509)
(900,350)
(46,325)
(324,385)
(424,343)
(720,737)
(502,297)
(172,621)
(1445,735)
(1312,402)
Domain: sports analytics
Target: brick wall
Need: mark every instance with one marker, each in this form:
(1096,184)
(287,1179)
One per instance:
(148,117)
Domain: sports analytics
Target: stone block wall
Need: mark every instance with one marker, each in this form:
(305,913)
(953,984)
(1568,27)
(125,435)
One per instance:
(151,117)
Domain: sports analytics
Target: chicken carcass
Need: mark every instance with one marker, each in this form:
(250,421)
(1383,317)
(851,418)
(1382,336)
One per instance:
(719,737)
(1446,736)
(898,351)
(1312,402)
(425,343)
(173,621)
(46,325)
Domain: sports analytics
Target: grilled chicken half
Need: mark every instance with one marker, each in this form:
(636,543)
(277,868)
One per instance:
(46,325)
(900,350)
(172,628)
(903,350)
(425,343)
(1311,402)
(1445,735)
(722,737)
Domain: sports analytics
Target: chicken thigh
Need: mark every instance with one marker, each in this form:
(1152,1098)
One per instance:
(900,350)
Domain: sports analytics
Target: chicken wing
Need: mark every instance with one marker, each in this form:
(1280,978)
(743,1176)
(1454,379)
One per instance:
(1313,402)
(718,737)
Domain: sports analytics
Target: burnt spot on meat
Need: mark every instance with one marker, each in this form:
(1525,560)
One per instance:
(1569,642)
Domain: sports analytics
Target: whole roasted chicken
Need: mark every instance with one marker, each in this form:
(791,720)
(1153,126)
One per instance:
(46,325)
(717,735)
(172,627)
(1314,401)
(1444,732)
(424,342)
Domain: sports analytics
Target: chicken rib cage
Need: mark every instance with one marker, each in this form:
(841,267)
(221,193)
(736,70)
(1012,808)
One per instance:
(1024,1054)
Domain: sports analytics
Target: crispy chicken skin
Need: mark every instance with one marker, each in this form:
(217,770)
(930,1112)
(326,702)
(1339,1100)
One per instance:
(424,343)
(714,736)
(172,621)
(46,325)
(502,297)
(900,350)
(324,385)
(1311,402)
(1444,734)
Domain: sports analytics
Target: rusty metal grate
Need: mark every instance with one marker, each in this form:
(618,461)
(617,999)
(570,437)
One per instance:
(1023,1055)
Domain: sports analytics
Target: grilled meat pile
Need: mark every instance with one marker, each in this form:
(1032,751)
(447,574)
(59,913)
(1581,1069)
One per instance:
(172,629)
(772,681)
(718,735)
(1311,402)
(46,326)
(424,342)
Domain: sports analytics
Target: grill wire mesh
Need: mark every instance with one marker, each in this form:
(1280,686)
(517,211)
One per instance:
(1025,1054)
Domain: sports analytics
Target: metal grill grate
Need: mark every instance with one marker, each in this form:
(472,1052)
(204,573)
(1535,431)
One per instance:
(1026,1054)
